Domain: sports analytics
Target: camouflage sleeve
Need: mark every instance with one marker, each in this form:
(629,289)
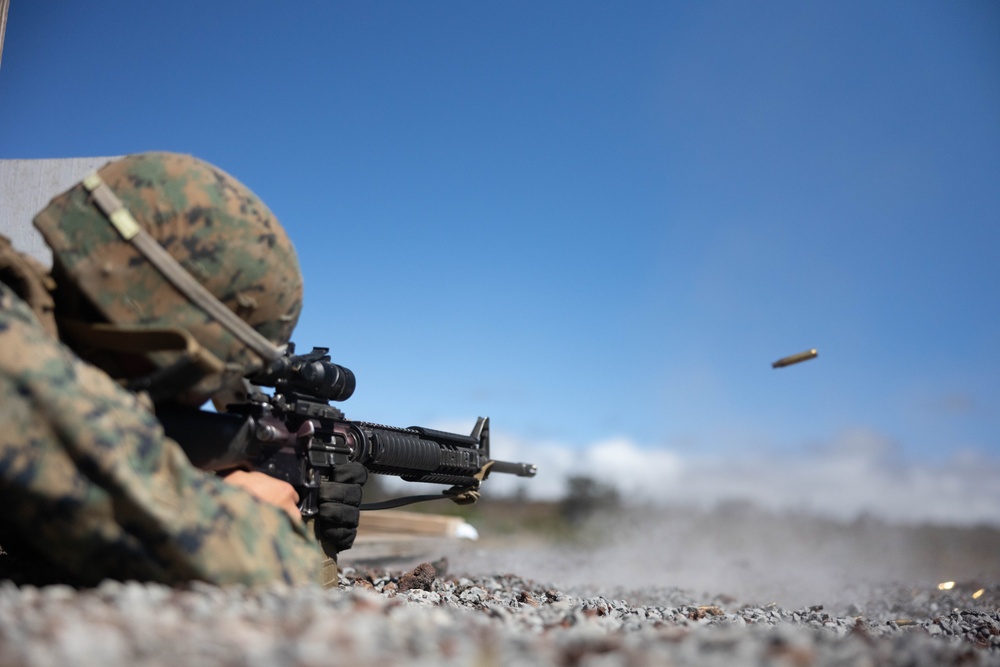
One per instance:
(88,479)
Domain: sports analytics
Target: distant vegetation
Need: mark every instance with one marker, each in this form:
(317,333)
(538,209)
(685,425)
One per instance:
(503,516)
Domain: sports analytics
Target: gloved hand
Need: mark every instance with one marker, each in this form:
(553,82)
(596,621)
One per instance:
(339,498)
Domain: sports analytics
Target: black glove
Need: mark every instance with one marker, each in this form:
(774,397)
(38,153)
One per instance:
(339,498)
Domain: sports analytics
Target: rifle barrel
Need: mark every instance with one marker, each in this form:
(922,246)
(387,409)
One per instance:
(511,468)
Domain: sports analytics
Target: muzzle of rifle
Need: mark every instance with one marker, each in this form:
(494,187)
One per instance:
(511,468)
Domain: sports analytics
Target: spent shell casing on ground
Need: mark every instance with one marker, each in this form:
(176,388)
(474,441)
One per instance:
(796,358)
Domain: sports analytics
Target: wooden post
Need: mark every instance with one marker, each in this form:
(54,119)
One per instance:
(3,24)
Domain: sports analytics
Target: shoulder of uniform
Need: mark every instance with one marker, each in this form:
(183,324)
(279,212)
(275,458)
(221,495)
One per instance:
(26,278)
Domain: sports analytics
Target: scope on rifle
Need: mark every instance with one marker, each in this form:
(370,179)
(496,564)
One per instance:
(312,374)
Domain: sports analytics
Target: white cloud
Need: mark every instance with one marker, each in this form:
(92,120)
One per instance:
(856,473)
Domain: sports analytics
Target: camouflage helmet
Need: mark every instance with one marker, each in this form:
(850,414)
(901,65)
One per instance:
(212,228)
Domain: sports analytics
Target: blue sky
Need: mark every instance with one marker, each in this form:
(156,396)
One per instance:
(590,221)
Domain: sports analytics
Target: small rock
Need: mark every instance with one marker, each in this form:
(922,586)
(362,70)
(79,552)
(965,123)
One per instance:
(421,578)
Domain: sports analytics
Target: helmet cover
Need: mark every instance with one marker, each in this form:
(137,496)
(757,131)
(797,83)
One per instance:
(215,228)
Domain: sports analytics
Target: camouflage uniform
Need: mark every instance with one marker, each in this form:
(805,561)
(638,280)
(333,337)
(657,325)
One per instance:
(88,481)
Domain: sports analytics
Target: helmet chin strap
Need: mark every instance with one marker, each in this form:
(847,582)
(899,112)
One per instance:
(111,206)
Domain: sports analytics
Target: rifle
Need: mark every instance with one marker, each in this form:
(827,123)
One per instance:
(294,434)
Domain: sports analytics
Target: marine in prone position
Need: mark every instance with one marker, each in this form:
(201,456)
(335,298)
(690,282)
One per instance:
(171,282)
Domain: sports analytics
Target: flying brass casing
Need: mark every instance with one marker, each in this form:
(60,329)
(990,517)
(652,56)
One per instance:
(795,358)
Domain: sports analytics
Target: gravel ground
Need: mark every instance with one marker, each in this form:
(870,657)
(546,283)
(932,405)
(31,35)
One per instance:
(372,619)
(430,615)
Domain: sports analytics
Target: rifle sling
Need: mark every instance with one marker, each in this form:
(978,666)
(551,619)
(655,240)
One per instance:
(401,502)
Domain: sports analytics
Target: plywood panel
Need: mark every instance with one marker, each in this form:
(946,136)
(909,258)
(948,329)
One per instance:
(26,186)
